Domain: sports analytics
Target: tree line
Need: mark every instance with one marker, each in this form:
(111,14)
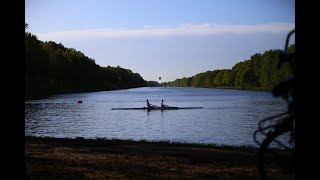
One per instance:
(153,84)
(52,68)
(260,72)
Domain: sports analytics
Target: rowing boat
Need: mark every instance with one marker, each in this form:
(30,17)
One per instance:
(157,108)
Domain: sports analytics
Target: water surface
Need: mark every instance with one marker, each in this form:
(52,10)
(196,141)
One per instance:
(228,117)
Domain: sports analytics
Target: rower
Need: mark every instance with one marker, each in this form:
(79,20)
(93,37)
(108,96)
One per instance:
(148,104)
(163,105)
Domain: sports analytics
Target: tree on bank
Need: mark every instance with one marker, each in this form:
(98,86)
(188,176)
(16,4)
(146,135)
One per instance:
(52,68)
(260,72)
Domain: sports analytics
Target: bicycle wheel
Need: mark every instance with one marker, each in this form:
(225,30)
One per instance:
(276,160)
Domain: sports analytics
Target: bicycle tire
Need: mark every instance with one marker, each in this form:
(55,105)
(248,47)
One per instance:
(264,145)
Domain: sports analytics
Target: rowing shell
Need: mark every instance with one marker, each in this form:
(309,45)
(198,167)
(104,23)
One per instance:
(157,108)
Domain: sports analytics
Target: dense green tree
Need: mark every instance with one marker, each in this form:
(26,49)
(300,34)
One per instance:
(218,78)
(153,84)
(198,80)
(211,75)
(260,72)
(185,82)
(53,68)
(227,79)
(237,73)
(270,75)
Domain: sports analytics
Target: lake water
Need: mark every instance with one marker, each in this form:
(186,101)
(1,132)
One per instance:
(228,117)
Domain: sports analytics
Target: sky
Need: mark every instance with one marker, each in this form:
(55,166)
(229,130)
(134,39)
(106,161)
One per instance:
(164,38)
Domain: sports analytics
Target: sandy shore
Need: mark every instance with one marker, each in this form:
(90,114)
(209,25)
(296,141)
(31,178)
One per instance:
(55,158)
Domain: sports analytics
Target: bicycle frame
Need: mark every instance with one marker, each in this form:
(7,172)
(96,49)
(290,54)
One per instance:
(286,123)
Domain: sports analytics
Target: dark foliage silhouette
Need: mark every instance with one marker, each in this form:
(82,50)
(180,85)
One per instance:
(272,127)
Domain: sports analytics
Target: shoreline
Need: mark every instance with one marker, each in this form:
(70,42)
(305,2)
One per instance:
(36,97)
(79,158)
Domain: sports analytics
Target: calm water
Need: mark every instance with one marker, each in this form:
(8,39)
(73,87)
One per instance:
(228,117)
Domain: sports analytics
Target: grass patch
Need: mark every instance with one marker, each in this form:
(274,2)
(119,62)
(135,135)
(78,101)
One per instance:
(80,141)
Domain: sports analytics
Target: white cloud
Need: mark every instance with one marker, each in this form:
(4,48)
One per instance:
(161,31)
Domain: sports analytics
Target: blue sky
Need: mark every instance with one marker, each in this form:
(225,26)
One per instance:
(167,38)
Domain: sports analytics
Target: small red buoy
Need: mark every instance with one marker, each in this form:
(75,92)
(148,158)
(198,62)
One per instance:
(79,101)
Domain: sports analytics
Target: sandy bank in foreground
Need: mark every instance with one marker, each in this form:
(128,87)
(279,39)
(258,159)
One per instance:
(54,158)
